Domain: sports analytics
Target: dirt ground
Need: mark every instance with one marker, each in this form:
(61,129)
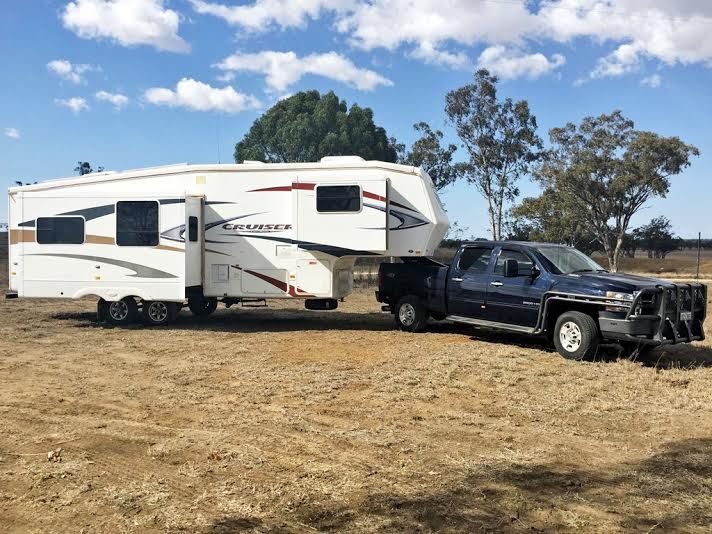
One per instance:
(284,420)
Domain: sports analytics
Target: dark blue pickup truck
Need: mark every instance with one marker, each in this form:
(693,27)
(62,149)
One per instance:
(543,289)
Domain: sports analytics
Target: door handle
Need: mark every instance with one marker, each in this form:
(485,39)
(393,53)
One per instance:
(456,279)
(496,284)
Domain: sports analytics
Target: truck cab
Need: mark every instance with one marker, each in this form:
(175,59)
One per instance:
(543,289)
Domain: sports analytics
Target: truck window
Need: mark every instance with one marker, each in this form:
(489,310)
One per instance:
(474,259)
(524,262)
(338,198)
(137,223)
(60,230)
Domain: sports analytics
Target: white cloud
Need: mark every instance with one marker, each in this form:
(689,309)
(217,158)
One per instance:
(261,15)
(76,103)
(653,81)
(70,71)
(116,99)
(439,31)
(126,22)
(510,63)
(12,133)
(199,96)
(282,69)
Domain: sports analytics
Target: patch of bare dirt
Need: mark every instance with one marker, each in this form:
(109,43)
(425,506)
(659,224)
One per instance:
(287,420)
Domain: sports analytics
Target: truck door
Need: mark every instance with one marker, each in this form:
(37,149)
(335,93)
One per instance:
(342,217)
(514,299)
(467,283)
(194,239)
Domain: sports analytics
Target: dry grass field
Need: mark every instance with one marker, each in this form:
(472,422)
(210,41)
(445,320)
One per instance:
(284,420)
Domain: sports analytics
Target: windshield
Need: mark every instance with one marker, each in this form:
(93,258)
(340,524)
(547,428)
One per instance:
(568,260)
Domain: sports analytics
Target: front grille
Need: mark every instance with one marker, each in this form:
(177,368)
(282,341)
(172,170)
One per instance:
(685,309)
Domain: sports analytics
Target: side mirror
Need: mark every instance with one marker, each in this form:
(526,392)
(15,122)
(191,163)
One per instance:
(535,272)
(511,268)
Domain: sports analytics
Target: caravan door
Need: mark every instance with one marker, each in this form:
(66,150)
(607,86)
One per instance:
(344,217)
(194,239)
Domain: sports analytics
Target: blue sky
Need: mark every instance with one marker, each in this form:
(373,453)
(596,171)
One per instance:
(131,83)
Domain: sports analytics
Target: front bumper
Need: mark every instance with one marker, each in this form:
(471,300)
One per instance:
(659,316)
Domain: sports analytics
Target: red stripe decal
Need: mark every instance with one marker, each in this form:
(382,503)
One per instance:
(301,185)
(374,196)
(287,288)
(278,188)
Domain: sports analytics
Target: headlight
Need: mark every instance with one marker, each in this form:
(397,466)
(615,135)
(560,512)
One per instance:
(625,297)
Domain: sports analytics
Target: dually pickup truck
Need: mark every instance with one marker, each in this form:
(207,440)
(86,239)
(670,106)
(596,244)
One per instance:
(543,289)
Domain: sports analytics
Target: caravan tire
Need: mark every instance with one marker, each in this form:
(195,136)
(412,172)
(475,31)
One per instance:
(120,313)
(410,314)
(201,306)
(159,313)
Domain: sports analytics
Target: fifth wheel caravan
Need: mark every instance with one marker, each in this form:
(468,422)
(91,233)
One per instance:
(152,239)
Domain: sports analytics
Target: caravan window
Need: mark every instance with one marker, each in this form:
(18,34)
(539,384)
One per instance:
(60,230)
(137,223)
(338,198)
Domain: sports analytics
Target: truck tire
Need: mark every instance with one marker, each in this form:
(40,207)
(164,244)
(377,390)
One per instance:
(120,313)
(576,335)
(159,313)
(202,306)
(410,314)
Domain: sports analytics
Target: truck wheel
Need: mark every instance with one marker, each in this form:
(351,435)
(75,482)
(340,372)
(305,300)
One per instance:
(576,335)
(120,313)
(159,313)
(410,314)
(202,306)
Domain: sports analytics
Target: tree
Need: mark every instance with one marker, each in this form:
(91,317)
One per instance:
(603,171)
(550,218)
(84,167)
(435,159)
(657,238)
(500,138)
(308,126)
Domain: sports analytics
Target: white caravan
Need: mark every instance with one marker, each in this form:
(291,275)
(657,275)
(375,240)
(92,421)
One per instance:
(154,238)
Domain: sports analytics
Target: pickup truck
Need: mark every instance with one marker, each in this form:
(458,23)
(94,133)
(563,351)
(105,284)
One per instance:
(543,289)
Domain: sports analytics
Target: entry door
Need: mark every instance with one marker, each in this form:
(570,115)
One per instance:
(342,217)
(468,282)
(194,239)
(515,299)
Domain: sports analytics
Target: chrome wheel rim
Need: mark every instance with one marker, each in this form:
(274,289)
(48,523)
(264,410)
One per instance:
(570,336)
(158,311)
(119,310)
(406,314)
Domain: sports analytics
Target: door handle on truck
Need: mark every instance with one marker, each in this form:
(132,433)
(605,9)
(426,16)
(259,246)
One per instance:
(496,284)
(456,279)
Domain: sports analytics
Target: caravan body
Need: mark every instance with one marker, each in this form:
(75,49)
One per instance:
(222,231)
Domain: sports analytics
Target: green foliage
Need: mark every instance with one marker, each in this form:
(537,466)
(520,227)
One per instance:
(429,154)
(600,173)
(308,126)
(657,238)
(84,167)
(500,138)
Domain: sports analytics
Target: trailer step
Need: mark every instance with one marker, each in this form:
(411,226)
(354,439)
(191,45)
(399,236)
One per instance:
(253,303)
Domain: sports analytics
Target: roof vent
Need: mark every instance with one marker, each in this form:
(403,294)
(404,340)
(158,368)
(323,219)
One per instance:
(341,159)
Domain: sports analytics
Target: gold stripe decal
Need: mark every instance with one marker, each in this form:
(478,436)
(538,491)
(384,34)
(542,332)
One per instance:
(28,236)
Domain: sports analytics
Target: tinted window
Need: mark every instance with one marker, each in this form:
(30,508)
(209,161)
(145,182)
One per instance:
(331,198)
(137,223)
(192,229)
(524,263)
(474,259)
(60,230)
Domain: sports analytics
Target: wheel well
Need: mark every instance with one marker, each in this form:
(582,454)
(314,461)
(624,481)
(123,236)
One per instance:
(557,307)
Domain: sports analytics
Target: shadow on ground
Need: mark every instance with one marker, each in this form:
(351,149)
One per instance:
(671,490)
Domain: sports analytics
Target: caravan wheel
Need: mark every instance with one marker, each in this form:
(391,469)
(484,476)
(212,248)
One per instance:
(121,312)
(158,313)
(202,306)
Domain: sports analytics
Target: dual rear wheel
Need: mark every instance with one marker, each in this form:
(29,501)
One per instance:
(154,313)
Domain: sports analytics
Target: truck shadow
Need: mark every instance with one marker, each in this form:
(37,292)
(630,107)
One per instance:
(669,490)
(678,357)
